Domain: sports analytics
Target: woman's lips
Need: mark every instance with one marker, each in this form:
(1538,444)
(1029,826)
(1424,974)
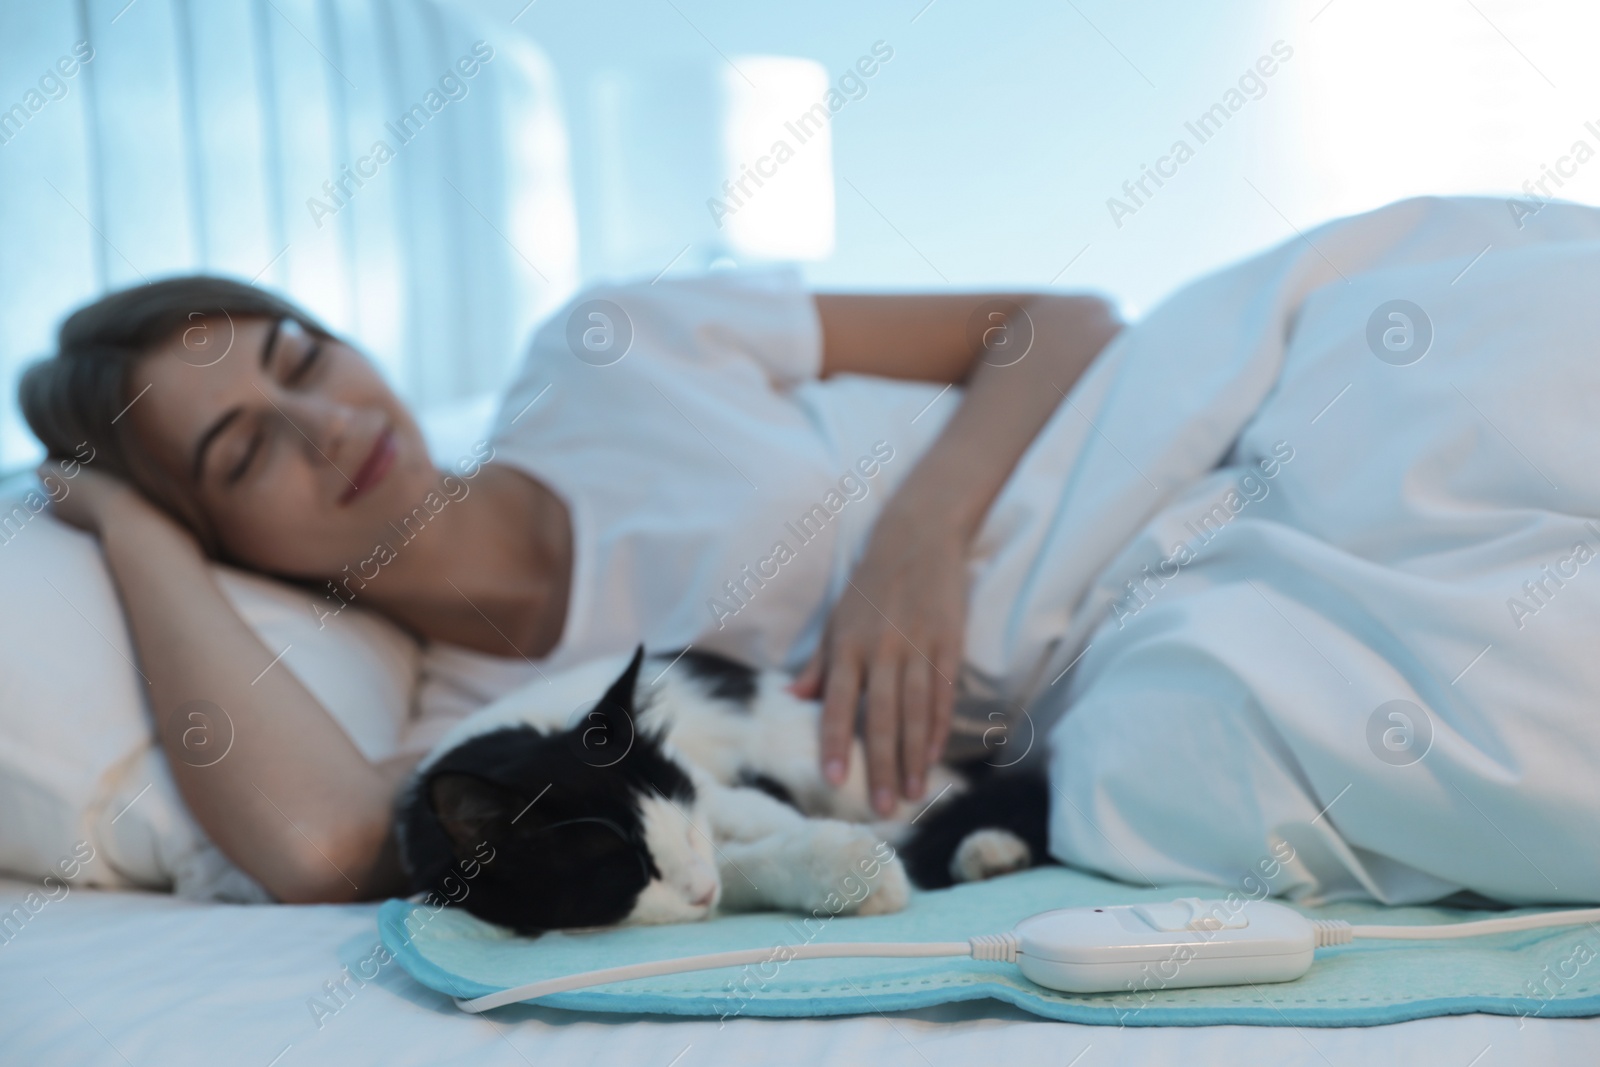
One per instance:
(373,468)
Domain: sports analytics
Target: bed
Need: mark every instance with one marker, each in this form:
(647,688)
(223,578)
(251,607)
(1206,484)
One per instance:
(103,977)
(126,976)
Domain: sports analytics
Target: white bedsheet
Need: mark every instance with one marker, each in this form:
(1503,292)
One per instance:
(119,979)
(1344,495)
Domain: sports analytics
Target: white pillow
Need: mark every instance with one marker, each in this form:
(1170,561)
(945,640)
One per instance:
(78,768)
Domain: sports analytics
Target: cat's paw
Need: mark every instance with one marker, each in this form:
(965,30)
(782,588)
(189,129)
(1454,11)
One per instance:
(989,854)
(891,890)
(863,871)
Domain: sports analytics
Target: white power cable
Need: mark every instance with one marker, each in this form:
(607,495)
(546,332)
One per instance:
(999,947)
(983,947)
(1440,931)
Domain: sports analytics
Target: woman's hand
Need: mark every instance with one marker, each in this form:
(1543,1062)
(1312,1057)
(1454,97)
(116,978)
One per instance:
(897,630)
(105,505)
(895,633)
(89,499)
(296,805)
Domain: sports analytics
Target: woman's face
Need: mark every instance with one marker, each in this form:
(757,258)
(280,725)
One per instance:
(290,444)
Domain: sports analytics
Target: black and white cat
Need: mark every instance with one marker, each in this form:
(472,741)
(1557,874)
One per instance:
(695,790)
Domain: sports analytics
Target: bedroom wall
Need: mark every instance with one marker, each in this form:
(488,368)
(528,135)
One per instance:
(986,152)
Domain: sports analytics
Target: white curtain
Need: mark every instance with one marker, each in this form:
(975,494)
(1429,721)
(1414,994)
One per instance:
(173,136)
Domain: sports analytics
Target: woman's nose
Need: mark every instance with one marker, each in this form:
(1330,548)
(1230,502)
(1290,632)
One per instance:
(323,425)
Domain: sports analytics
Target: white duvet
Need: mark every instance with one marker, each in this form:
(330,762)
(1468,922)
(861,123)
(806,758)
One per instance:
(1328,562)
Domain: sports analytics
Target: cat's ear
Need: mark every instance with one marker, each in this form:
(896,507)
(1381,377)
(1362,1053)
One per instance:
(467,805)
(604,736)
(619,698)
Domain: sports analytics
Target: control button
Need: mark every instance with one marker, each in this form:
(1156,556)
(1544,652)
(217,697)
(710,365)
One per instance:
(1191,913)
(1165,917)
(1217,917)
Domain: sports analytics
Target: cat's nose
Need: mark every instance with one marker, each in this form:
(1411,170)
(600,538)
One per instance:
(704,899)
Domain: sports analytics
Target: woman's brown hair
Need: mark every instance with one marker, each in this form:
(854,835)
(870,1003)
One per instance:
(77,396)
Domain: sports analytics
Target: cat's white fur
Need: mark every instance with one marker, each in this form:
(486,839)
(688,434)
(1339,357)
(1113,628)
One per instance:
(735,847)
(987,853)
(689,887)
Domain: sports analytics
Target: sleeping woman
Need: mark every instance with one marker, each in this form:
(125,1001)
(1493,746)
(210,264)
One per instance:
(1289,579)
(735,463)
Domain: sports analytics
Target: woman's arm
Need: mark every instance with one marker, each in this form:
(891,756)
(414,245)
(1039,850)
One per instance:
(930,337)
(293,802)
(897,632)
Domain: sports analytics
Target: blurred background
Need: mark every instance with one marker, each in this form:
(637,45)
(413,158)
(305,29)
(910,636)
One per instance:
(985,151)
(927,144)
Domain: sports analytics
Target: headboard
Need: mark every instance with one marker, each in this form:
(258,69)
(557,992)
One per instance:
(156,137)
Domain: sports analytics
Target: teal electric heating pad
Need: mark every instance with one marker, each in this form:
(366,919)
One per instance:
(1548,973)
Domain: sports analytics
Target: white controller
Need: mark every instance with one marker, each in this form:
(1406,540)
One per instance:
(1169,945)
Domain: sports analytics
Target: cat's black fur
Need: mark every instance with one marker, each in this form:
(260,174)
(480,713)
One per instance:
(1017,801)
(559,818)
(770,786)
(725,679)
(550,820)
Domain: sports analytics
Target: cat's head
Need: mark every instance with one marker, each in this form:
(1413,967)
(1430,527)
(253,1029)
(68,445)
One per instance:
(591,826)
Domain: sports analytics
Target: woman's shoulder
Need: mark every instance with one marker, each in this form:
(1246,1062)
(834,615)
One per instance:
(609,332)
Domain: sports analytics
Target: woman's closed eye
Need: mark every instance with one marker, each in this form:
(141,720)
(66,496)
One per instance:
(258,439)
(252,449)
